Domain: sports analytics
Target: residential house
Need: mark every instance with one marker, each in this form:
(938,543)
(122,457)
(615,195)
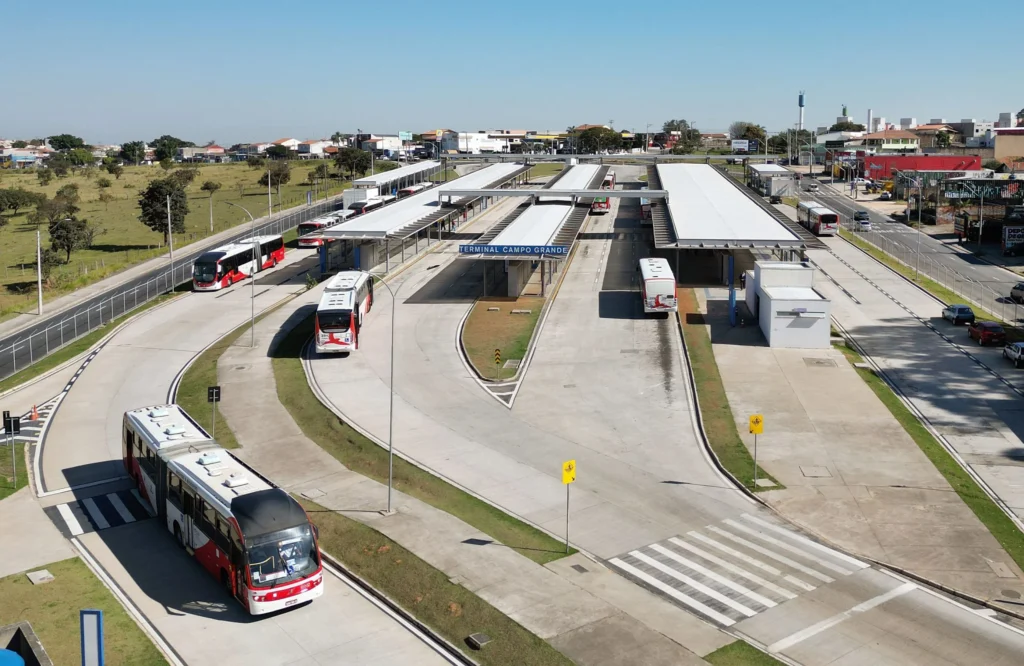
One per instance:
(381,144)
(1009,145)
(929,135)
(891,141)
(713,140)
(290,144)
(313,148)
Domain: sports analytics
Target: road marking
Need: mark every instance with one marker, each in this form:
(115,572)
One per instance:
(764,601)
(121,509)
(674,593)
(74,527)
(814,629)
(95,513)
(787,547)
(734,569)
(807,542)
(700,587)
(775,556)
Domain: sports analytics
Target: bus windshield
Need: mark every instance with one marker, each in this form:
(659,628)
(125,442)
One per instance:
(306,228)
(204,271)
(334,320)
(283,556)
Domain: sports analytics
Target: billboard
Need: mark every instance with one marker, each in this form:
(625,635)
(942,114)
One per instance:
(740,145)
(405,136)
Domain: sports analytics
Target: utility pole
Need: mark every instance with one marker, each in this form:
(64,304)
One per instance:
(270,197)
(170,240)
(39,269)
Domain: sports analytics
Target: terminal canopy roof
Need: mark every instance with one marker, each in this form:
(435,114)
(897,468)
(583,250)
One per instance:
(385,177)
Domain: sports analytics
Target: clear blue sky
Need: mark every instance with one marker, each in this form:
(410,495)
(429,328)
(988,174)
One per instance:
(235,71)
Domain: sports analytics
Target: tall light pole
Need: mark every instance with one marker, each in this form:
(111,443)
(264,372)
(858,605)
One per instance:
(39,270)
(391,386)
(170,240)
(252,277)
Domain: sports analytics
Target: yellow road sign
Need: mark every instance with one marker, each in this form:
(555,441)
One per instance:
(497,357)
(757,424)
(568,471)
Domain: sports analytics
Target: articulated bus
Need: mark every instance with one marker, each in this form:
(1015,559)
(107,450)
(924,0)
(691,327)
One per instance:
(317,225)
(251,536)
(817,219)
(600,206)
(228,264)
(347,299)
(657,285)
(609,181)
(365,206)
(413,189)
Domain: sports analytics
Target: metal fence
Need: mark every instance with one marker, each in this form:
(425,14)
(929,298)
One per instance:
(100,311)
(978,294)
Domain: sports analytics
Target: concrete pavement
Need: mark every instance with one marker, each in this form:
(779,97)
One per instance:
(29,540)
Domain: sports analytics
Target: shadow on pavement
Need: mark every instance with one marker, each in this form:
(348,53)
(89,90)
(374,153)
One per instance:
(619,305)
(462,281)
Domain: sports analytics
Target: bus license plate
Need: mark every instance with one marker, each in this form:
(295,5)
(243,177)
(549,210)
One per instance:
(290,602)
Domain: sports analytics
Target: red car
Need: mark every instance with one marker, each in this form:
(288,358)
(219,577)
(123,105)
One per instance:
(987,333)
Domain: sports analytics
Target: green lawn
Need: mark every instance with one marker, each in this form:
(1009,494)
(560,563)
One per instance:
(8,484)
(1001,527)
(363,456)
(719,424)
(740,653)
(426,593)
(52,610)
(127,241)
(485,331)
(546,169)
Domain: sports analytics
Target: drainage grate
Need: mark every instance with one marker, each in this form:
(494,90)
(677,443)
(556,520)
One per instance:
(513,363)
(820,363)
(580,568)
(815,472)
(629,351)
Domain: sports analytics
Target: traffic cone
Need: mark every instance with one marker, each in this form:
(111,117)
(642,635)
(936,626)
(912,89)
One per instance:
(35,413)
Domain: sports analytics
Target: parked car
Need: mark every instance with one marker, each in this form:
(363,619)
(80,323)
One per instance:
(1014,352)
(861,215)
(958,314)
(885,196)
(987,332)
(1017,293)
(775,199)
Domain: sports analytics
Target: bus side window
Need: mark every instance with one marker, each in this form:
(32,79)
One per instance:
(223,535)
(173,487)
(188,502)
(209,524)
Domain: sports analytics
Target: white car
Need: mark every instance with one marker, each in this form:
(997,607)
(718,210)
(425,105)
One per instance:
(1014,352)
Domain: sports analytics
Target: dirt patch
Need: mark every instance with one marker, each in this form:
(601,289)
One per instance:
(487,330)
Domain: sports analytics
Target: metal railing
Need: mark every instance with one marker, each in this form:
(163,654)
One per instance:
(121,300)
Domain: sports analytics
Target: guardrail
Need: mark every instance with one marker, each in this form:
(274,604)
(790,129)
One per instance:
(118,301)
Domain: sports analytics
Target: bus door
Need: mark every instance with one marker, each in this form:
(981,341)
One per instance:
(238,564)
(188,509)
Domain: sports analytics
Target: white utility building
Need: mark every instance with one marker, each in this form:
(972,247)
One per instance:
(790,312)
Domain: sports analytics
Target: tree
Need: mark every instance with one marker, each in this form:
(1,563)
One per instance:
(19,144)
(65,142)
(105,198)
(167,164)
(256,161)
(16,198)
(353,160)
(60,165)
(185,175)
(994,165)
(63,205)
(133,152)
(115,170)
(211,186)
(597,139)
(69,193)
(338,137)
(70,234)
(276,152)
(166,147)
(278,174)
(742,129)
(45,176)
(153,206)
(80,157)
(50,259)
(846,126)
(942,140)
(104,183)
(320,172)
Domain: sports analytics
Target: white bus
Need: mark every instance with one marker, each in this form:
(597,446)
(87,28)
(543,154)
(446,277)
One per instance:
(413,189)
(347,299)
(609,181)
(657,285)
(228,264)
(313,227)
(817,219)
(251,536)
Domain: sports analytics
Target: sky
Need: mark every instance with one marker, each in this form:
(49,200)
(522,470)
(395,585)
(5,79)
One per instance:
(237,71)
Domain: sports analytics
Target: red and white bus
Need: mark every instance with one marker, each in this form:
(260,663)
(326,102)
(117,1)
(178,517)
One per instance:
(317,225)
(645,211)
(365,206)
(817,219)
(413,189)
(251,536)
(609,181)
(228,264)
(600,206)
(657,285)
(347,299)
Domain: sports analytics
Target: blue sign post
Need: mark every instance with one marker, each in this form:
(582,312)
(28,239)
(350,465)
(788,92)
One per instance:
(752,146)
(91,627)
(517,250)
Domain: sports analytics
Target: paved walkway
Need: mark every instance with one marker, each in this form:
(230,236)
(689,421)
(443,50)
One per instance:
(584,614)
(28,540)
(853,475)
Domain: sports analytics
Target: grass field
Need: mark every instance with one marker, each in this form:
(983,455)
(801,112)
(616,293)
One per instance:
(719,424)
(127,241)
(450,609)
(486,331)
(546,169)
(8,484)
(740,653)
(1005,532)
(52,610)
(362,456)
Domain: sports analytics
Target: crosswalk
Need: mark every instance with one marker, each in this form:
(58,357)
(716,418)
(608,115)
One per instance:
(100,512)
(737,568)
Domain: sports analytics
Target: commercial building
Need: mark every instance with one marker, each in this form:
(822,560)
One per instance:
(474,143)
(882,167)
(891,141)
(313,148)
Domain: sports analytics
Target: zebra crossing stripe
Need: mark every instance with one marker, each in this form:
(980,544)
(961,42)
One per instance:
(781,591)
(764,601)
(750,560)
(121,509)
(74,527)
(775,556)
(787,547)
(804,540)
(700,587)
(95,513)
(674,593)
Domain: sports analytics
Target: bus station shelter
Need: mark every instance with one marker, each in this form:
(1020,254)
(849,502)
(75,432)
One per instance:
(391,181)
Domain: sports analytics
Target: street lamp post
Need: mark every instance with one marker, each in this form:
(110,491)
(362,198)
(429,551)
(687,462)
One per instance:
(252,277)
(391,386)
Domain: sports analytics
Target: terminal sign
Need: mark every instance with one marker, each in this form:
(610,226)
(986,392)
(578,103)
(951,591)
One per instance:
(506,250)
